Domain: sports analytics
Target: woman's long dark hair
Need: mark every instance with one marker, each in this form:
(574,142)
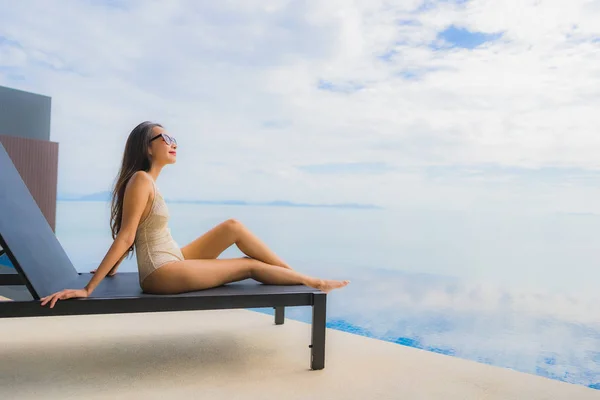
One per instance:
(136,157)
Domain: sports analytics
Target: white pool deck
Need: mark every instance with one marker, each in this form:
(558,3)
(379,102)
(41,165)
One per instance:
(236,354)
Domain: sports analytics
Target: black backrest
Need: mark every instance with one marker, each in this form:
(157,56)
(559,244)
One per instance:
(27,237)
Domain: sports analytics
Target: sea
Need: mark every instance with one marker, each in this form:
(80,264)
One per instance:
(518,291)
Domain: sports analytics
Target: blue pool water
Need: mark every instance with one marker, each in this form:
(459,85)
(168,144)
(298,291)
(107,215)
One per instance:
(516,291)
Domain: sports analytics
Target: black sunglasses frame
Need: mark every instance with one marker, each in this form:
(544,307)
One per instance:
(168,139)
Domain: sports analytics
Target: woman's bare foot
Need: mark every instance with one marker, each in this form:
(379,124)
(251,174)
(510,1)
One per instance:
(327,285)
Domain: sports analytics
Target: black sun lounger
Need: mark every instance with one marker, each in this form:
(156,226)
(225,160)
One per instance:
(44,268)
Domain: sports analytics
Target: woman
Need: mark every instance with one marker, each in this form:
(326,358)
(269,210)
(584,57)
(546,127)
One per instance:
(139,217)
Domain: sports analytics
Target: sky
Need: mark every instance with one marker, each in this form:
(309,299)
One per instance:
(466,105)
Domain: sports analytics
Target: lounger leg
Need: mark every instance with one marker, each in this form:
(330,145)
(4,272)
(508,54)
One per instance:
(318,331)
(279,315)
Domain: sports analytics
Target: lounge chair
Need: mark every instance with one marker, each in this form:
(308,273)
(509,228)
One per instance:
(43,266)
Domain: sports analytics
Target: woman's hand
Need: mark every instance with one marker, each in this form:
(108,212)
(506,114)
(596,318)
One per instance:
(63,295)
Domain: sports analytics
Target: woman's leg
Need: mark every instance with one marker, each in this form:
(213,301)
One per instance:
(192,275)
(218,239)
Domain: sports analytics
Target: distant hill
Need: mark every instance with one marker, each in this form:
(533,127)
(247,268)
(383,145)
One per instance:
(106,196)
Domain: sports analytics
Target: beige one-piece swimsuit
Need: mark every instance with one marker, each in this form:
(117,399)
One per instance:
(154,245)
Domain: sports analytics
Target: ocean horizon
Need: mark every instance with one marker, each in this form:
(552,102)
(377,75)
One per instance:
(106,196)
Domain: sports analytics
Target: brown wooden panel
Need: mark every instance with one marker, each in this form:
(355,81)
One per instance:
(37,163)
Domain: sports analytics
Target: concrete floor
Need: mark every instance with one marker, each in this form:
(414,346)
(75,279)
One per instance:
(236,354)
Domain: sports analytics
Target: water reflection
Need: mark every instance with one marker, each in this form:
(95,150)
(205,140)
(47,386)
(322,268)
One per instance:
(547,334)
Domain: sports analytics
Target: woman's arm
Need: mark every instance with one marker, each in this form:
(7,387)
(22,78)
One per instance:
(113,270)
(116,251)
(135,200)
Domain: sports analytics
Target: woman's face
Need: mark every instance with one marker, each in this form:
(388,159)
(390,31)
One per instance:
(163,147)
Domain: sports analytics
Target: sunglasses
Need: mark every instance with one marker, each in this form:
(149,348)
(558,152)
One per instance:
(168,139)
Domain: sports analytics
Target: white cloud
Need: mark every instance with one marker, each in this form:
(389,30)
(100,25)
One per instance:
(218,74)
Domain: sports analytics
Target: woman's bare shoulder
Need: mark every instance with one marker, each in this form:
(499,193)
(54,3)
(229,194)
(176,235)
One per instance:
(139,184)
